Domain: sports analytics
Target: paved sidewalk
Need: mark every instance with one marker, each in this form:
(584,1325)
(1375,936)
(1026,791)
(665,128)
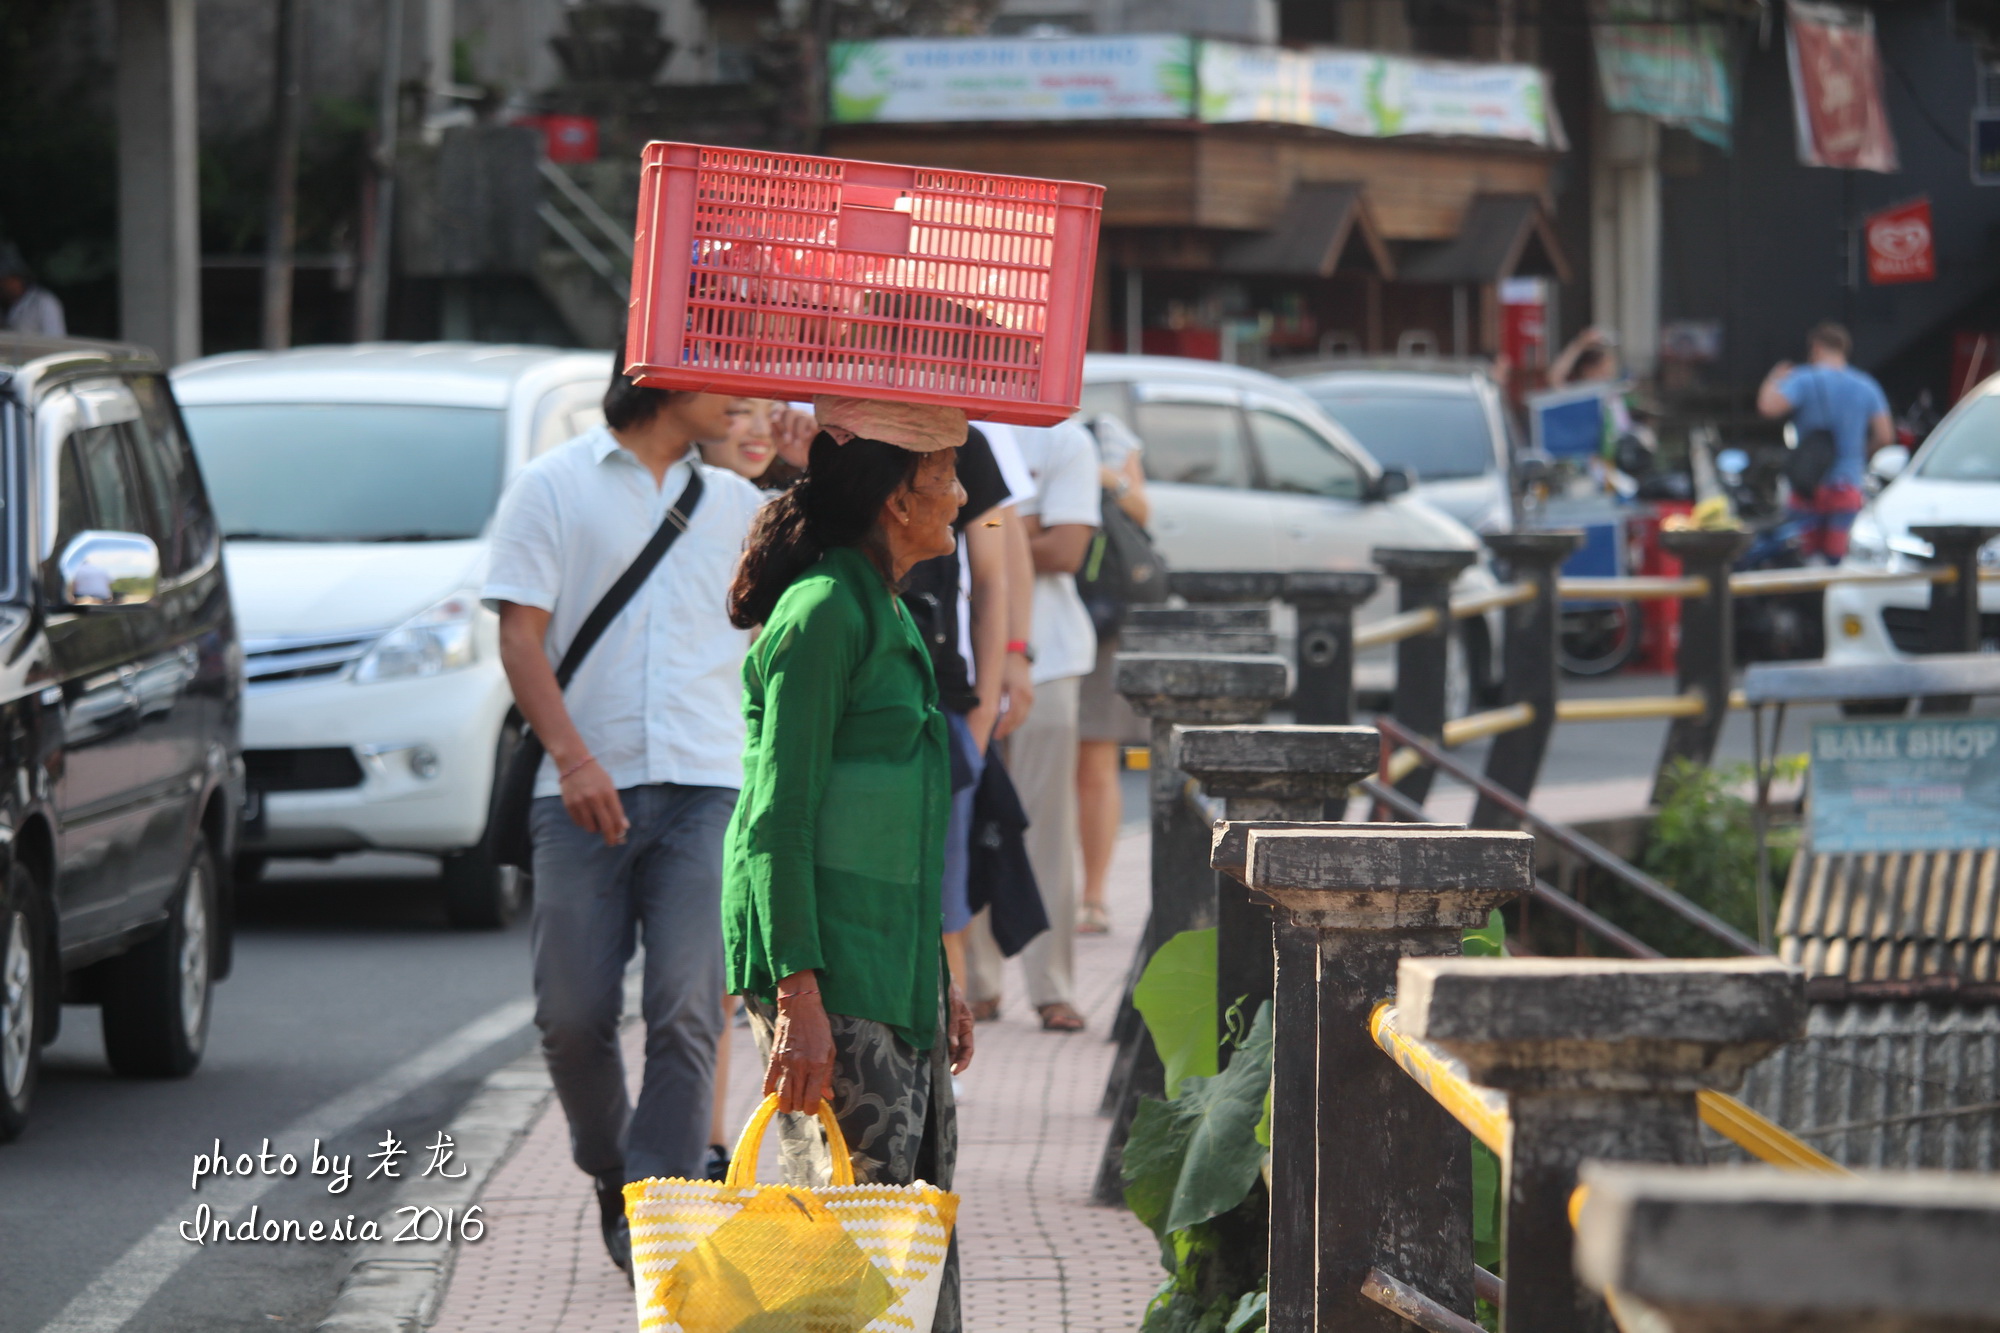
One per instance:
(1038,1258)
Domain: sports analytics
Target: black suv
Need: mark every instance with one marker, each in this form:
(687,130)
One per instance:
(121,782)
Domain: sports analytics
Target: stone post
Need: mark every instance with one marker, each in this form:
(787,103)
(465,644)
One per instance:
(1237,586)
(1600,1059)
(1325,601)
(1752,1250)
(1182,642)
(1953,622)
(1264,773)
(1528,673)
(1423,578)
(1236,618)
(1169,690)
(1367,1170)
(1707,655)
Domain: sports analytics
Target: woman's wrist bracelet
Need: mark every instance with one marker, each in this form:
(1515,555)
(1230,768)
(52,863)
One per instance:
(1020,646)
(566,774)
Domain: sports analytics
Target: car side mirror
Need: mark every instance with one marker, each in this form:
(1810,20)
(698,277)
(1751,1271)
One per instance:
(1888,462)
(1393,482)
(109,569)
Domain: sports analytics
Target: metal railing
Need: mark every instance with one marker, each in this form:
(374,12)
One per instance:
(591,249)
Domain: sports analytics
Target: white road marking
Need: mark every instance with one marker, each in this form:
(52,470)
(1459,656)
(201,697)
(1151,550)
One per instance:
(118,1293)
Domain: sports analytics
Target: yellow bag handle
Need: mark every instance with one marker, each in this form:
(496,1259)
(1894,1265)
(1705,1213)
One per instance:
(743,1162)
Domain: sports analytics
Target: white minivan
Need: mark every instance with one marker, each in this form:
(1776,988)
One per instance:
(354,486)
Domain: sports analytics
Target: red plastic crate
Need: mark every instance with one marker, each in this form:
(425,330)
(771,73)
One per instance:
(779,276)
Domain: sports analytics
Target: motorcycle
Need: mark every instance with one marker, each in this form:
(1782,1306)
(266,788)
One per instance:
(1784,627)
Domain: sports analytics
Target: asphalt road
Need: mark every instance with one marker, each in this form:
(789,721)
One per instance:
(342,980)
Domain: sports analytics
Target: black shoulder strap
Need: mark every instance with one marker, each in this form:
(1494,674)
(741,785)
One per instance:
(636,573)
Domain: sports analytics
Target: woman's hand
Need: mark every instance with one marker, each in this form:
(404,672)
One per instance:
(959,1034)
(801,1069)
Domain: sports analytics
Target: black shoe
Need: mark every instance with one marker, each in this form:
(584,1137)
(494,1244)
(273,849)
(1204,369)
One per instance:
(611,1219)
(718,1163)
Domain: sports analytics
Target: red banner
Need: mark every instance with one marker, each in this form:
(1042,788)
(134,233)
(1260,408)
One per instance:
(1899,244)
(1837,87)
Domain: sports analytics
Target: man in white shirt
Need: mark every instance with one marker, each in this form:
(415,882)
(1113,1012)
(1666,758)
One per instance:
(644,761)
(1060,518)
(25,305)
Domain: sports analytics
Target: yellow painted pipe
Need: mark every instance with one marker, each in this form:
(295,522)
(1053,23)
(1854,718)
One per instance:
(1478,726)
(1479,603)
(1393,629)
(1692,704)
(1771,582)
(1481,1110)
(1633,588)
(1766,1140)
(1401,764)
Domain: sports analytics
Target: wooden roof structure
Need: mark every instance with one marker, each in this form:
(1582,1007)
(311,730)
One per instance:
(1894,924)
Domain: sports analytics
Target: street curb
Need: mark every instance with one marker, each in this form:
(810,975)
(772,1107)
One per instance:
(396,1288)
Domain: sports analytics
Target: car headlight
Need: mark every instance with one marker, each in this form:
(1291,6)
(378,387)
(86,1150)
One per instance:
(1866,546)
(429,644)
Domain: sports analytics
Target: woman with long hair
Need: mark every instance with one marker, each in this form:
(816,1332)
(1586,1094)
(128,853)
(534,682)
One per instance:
(831,869)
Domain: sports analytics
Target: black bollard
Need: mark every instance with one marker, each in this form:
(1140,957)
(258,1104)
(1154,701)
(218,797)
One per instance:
(1599,1059)
(1170,690)
(1953,623)
(1325,601)
(1423,661)
(1529,665)
(1707,656)
(1367,1171)
(1285,774)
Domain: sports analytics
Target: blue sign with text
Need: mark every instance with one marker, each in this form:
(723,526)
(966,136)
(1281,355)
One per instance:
(1918,786)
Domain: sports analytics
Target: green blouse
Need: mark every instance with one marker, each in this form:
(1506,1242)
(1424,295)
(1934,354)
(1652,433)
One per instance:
(836,848)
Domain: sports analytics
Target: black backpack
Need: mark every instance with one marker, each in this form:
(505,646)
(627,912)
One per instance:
(1807,464)
(1120,570)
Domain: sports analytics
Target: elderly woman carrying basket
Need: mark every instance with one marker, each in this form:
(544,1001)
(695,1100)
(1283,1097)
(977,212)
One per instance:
(833,858)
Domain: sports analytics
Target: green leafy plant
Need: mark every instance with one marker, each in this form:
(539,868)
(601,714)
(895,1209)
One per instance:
(1703,844)
(1176,997)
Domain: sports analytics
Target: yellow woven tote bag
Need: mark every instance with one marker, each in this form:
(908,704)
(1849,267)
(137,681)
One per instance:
(739,1257)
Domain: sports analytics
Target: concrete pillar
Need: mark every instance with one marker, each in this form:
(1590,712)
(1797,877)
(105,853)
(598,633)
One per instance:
(1170,690)
(1210,586)
(1528,673)
(1232,618)
(1325,600)
(1625,234)
(1752,1250)
(1423,578)
(159,221)
(1954,611)
(1706,660)
(1600,1059)
(1286,774)
(1367,1170)
(1181,642)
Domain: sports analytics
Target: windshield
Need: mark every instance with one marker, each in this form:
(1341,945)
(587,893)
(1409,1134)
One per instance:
(349,472)
(1430,435)
(1967,448)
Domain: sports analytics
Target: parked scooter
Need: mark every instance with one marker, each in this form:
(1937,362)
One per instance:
(1785,627)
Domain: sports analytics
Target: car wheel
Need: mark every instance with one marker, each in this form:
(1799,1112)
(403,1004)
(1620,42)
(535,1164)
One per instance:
(156,998)
(22,992)
(479,892)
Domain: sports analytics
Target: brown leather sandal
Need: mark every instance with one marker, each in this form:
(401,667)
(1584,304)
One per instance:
(985,1011)
(1060,1017)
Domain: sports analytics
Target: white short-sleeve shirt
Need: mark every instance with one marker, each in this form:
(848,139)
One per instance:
(660,698)
(1062,463)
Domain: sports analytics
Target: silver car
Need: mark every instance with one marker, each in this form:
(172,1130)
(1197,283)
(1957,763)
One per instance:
(1444,424)
(1246,472)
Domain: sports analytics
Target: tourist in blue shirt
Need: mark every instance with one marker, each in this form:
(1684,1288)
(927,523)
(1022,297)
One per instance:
(1827,394)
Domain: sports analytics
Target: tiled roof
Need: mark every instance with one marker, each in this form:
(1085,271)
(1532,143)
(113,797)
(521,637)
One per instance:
(1884,916)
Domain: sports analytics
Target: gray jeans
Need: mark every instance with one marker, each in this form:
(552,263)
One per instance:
(593,906)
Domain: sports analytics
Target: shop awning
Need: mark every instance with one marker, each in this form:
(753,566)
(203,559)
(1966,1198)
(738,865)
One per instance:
(1503,236)
(1323,227)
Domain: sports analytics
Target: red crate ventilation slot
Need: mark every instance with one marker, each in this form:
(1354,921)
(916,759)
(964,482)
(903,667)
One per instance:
(778,276)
